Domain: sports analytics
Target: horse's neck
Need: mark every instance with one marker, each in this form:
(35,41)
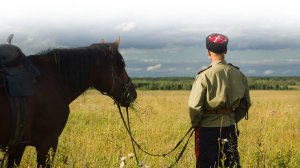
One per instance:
(68,77)
(76,75)
(73,95)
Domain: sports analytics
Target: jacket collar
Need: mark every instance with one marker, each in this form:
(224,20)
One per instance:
(217,62)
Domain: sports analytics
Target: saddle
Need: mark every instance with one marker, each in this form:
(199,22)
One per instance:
(18,71)
(17,76)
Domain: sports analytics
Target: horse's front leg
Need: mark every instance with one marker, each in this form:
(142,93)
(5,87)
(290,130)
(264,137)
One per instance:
(46,151)
(15,156)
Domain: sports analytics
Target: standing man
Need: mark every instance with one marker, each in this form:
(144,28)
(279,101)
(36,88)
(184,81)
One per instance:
(218,100)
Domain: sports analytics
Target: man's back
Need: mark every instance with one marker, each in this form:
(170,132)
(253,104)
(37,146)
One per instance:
(226,85)
(223,86)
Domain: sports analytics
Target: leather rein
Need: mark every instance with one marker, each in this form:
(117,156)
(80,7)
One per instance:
(124,97)
(134,142)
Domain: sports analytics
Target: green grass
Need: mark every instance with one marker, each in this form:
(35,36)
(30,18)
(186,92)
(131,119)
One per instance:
(95,136)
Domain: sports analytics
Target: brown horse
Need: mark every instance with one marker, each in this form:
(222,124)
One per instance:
(65,74)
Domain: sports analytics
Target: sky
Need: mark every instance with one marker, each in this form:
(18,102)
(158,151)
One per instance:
(162,38)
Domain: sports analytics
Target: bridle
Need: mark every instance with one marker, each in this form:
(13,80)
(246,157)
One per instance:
(125,96)
(125,90)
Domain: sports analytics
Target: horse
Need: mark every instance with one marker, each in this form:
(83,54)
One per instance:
(66,73)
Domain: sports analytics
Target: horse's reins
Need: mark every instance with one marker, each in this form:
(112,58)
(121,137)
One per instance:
(125,95)
(134,143)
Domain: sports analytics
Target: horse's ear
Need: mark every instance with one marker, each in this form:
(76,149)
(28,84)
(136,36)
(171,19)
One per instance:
(102,41)
(10,37)
(117,41)
(115,45)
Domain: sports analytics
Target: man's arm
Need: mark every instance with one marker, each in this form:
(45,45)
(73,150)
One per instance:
(242,110)
(247,94)
(196,101)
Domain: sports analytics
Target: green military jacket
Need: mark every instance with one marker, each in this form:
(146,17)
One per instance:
(218,87)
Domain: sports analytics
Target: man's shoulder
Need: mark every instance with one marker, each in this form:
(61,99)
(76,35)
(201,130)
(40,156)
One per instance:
(233,66)
(237,69)
(204,69)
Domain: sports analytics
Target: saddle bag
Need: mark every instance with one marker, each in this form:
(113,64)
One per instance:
(20,84)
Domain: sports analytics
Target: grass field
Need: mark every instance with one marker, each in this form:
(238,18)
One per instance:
(95,137)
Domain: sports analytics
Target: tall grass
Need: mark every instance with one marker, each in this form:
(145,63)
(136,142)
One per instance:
(95,136)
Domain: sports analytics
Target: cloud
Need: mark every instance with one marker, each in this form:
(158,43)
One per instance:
(286,72)
(251,71)
(188,68)
(171,69)
(149,60)
(293,60)
(143,28)
(264,42)
(268,72)
(125,27)
(134,69)
(154,67)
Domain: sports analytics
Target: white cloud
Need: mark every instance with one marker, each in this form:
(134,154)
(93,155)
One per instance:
(259,62)
(164,34)
(293,60)
(125,27)
(172,69)
(134,69)
(251,71)
(268,72)
(154,67)
(149,60)
(286,72)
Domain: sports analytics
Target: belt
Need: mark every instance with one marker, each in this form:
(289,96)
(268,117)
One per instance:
(218,111)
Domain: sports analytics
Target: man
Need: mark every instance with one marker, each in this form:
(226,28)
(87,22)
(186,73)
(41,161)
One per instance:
(216,103)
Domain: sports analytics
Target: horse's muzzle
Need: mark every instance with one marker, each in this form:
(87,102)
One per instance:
(128,98)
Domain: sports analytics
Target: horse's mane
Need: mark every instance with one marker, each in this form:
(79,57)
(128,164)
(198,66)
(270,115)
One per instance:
(76,64)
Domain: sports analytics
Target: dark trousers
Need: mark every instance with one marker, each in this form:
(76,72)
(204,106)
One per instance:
(216,147)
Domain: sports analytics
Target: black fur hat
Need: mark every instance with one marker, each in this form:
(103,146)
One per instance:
(216,43)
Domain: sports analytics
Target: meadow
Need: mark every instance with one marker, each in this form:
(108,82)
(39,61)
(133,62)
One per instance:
(95,136)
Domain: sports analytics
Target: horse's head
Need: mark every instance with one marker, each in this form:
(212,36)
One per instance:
(115,81)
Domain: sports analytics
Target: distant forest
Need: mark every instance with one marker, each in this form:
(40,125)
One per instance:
(185,83)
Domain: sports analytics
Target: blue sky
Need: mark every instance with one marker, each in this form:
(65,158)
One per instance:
(164,37)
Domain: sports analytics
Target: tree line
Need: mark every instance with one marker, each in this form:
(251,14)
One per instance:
(185,83)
